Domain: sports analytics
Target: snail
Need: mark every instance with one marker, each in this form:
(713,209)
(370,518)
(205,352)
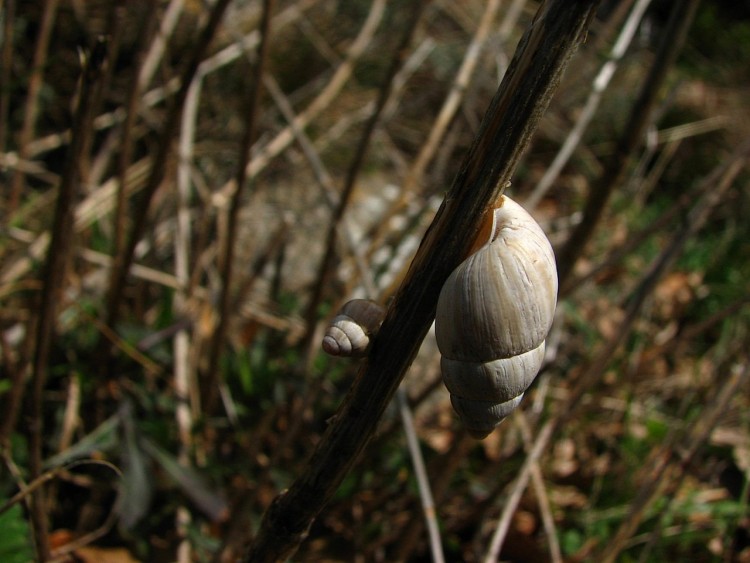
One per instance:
(350,330)
(493,315)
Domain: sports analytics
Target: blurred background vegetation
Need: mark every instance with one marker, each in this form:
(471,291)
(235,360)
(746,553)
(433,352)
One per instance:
(141,448)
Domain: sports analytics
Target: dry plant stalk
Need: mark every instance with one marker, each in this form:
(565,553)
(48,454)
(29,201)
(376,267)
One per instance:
(423,483)
(640,116)
(543,53)
(6,60)
(540,491)
(126,140)
(227,260)
(53,276)
(592,103)
(452,100)
(326,97)
(31,108)
(124,260)
(409,538)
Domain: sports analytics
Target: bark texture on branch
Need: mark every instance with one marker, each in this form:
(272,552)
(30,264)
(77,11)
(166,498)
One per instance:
(542,55)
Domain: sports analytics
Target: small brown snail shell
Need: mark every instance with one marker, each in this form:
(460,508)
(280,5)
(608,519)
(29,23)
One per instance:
(493,314)
(350,330)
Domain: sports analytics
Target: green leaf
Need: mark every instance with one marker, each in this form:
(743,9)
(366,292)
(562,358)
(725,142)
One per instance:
(15,538)
(245,373)
(136,488)
(103,438)
(208,501)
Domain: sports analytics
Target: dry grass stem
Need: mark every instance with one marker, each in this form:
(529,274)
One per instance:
(185,373)
(453,100)
(423,483)
(8,11)
(123,261)
(537,482)
(326,96)
(322,177)
(671,42)
(159,43)
(516,491)
(31,108)
(600,84)
(226,263)
(53,276)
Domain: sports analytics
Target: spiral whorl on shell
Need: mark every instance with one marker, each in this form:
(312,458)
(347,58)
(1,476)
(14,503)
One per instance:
(350,330)
(493,315)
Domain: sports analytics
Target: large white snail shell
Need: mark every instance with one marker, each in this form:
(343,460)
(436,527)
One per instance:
(493,314)
(349,332)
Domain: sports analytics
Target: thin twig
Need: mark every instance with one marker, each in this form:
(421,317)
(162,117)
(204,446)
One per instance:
(146,70)
(634,241)
(31,107)
(53,279)
(537,481)
(454,98)
(184,372)
(95,166)
(592,103)
(326,96)
(446,470)
(72,414)
(11,161)
(157,95)
(29,488)
(126,138)
(149,366)
(213,378)
(322,176)
(312,152)
(709,322)
(59,554)
(519,486)
(124,260)
(6,60)
(640,116)
(510,20)
(423,483)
